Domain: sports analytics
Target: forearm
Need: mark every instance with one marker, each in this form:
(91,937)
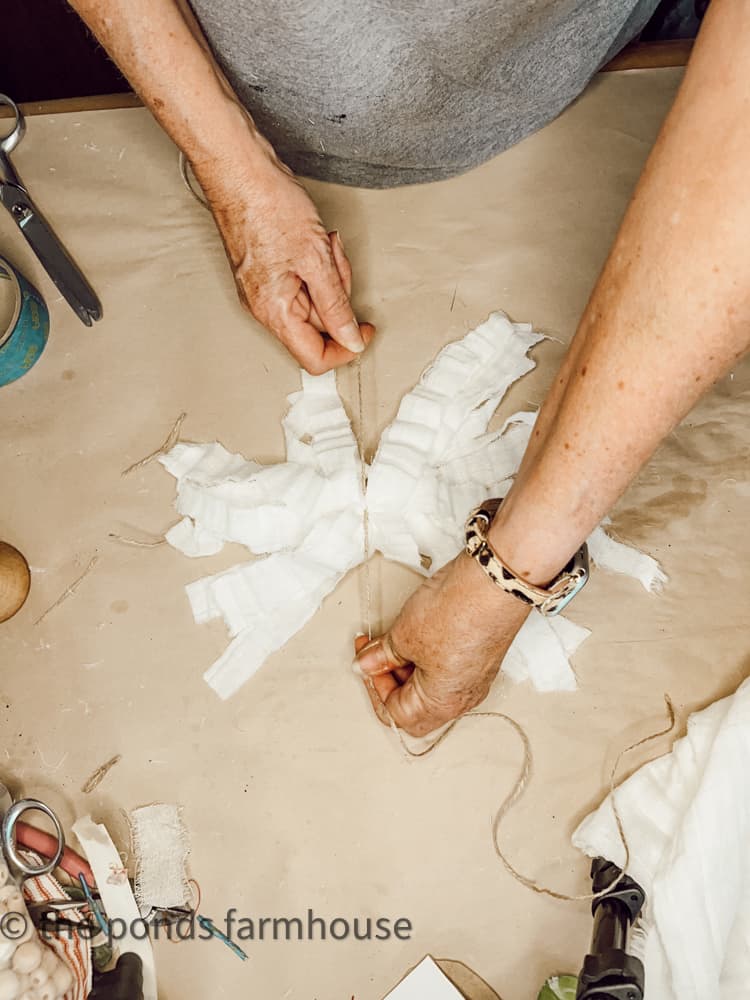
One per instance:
(669,315)
(291,273)
(159,47)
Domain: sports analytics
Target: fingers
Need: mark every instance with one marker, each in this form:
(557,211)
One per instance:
(377,656)
(360,642)
(344,269)
(397,688)
(402,674)
(329,286)
(309,310)
(378,697)
(313,350)
(414,711)
(380,687)
(341,261)
(393,685)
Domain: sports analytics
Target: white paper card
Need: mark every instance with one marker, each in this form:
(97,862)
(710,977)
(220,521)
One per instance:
(426,982)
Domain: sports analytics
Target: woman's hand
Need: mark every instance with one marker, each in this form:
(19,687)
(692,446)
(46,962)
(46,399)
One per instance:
(292,275)
(442,653)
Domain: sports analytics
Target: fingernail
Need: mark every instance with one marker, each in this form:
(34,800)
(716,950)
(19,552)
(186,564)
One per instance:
(351,338)
(356,667)
(371,659)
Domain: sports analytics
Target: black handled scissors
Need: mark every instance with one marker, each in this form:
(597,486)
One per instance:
(52,255)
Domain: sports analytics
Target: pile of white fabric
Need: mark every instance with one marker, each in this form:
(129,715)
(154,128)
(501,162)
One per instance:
(686,817)
(436,461)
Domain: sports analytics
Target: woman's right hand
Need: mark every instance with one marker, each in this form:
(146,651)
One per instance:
(292,275)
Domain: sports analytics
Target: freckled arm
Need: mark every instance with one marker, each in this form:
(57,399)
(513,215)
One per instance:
(160,48)
(669,315)
(290,272)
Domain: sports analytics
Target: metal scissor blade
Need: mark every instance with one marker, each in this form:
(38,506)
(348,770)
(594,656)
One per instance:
(53,256)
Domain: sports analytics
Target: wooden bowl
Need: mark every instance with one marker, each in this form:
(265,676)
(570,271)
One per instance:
(15,581)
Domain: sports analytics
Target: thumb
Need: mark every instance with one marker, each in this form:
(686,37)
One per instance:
(377,657)
(409,707)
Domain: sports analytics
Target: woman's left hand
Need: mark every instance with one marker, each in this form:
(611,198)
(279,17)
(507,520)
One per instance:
(442,653)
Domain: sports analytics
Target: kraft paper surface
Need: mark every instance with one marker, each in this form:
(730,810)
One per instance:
(294,796)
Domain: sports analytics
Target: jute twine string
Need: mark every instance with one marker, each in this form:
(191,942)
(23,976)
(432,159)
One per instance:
(527,765)
(169,442)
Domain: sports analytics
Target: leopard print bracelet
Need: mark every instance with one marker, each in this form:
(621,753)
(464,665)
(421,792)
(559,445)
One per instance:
(548,600)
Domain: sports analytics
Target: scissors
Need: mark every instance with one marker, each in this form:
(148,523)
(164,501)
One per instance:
(52,255)
(19,869)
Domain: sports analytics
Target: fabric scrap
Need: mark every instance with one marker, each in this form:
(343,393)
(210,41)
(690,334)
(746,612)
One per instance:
(119,902)
(71,949)
(161,847)
(686,817)
(304,517)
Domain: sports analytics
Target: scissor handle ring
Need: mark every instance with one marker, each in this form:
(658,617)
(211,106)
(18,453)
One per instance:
(11,140)
(7,832)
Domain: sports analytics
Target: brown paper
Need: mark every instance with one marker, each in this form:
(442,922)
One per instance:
(294,796)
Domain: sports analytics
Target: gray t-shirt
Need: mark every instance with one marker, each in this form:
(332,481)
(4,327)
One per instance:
(391,92)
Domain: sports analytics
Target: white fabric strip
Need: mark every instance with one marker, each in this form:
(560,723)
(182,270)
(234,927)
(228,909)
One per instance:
(161,847)
(436,461)
(119,902)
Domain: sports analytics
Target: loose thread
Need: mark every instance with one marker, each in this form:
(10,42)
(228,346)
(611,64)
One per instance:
(363,485)
(366,612)
(521,784)
(50,767)
(169,442)
(520,787)
(97,776)
(69,591)
(136,542)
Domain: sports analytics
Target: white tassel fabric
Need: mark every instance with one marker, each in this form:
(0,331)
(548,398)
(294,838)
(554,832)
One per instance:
(686,817)
(435,462)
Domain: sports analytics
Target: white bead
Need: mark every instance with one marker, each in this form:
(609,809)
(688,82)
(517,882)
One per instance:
(4,873)
(27,957)
(62,978)
(47,991)
(37,977)
(49,960)
(11,898)
(10,985)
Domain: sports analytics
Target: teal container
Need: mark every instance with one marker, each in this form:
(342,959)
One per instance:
(25,336)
